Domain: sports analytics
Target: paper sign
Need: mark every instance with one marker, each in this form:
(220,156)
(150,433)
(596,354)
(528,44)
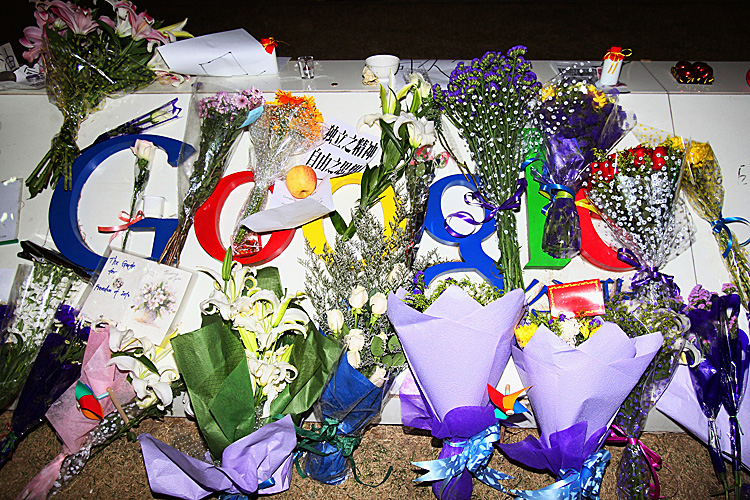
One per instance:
(8,61)
(572,299)
(344,150)
(132,292)
(284,211)
(230,53)
(10,209)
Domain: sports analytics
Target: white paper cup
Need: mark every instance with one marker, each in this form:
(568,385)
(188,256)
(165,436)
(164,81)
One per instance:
(383,65)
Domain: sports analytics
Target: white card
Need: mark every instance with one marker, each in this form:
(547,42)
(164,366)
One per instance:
(132,292)
(284,211)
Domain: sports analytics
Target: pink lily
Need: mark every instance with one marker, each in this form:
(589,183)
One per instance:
(32,40)
(78,19)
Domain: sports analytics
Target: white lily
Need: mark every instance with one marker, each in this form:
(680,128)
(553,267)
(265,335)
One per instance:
(421,131)
(175,31)
(272,375)
(147,384)
(268,318)
(231,298)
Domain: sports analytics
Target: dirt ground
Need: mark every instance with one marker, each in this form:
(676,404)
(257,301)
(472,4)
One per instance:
(119,473)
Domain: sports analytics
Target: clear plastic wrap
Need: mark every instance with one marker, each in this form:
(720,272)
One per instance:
(38,290)
(215,121)
(575,119)
(288,126)
(702,185)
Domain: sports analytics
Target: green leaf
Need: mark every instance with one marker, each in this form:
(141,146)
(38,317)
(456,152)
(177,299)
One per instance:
(226,267)
(376,347)
(395,359)
(338,222)
(383,99)
(131,437)
(394,344)
(268,278)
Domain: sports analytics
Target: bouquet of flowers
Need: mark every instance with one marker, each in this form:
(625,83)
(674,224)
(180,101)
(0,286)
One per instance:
(86,60)
(38,291)
(580,370)
(407,130)
(214,124)
(251,371)
(455,348)
(639,317)
(489,102)
(719,375)
(575,119)
(636,193)
(138,125)
(347,288)
(57,366)
(702,184)
(288,126)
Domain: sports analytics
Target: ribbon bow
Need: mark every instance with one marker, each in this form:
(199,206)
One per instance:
(644,274)
(475,198)
(573,484)
(554,191)
(125,217)
(328,433)
(618,436)
(720,225)
(474,457)
(617,54)
(269,44)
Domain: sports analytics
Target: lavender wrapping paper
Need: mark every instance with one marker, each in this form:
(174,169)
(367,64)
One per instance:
(583,384)
(681,405)
(264,454)
(455,348)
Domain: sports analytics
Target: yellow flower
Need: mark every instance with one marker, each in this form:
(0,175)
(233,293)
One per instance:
(524,333)
(600,98)
(587,331)
(548,92)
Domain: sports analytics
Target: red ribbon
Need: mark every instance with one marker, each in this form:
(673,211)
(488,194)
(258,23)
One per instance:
(125,217)
(269,44)
(618,436)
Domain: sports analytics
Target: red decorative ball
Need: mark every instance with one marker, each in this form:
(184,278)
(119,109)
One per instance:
(747,77)
(679,65)
(703,70)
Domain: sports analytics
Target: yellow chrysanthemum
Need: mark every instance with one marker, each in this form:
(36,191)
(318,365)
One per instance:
(524,333)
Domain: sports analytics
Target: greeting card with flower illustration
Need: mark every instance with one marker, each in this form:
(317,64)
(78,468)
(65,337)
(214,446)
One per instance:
(135,293)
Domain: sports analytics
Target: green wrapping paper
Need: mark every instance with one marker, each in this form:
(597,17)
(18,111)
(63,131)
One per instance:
(212,362)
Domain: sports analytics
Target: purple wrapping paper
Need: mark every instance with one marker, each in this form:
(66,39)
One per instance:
(266,453)
(680,403)
(583,384)
(456,347)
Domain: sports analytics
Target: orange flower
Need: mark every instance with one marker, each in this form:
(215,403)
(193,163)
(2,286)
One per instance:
(287,98)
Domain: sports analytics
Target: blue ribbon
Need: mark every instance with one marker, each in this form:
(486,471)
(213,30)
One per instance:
(474,457)
(573,485)
(720,225)
(475,198)
(553,191)
(644,274)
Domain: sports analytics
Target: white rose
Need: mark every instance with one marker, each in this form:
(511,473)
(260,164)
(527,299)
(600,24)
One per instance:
(353,358)
(379,303)
(144,150)
(378,377)
(358,297)
(335,320)
(396,272)
(355,341)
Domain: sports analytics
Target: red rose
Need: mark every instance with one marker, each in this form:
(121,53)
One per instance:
(639,155)
(659,158)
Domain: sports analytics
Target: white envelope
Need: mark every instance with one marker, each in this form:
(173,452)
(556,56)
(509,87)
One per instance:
(286,212)
(229,53)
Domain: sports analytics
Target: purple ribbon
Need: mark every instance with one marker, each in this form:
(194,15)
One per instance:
(475,198)
(653,460)
(644,274)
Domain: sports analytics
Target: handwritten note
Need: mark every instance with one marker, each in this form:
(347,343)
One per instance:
(344,150)
(132,292)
